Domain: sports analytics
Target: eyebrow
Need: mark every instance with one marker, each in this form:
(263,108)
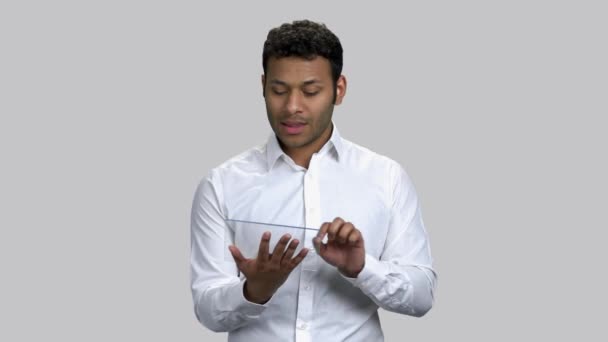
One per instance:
(279,82)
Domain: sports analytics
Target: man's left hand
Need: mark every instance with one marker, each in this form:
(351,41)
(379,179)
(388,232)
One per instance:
(344,248)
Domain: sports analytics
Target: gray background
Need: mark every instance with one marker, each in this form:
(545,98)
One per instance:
(112,111)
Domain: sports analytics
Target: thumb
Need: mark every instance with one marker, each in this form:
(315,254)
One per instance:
(319,247)
(237,256)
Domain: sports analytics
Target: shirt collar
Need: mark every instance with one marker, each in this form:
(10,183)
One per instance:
(274,151)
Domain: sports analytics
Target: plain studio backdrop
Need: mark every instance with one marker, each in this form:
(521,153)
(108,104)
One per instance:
(113,111)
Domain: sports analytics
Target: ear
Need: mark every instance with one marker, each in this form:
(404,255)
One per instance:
(340,89)
(263,85)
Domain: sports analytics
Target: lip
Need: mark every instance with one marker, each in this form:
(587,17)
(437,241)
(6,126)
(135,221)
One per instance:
(293,127)
(293,123)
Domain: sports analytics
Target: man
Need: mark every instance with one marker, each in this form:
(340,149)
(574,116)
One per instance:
(371,249)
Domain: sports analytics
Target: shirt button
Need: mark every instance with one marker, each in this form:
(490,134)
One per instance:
(307,287)
(302,326)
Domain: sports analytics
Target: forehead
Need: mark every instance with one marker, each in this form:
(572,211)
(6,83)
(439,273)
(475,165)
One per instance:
(297,69)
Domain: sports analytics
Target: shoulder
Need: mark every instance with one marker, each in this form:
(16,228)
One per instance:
(377,168)
(249,161)
(365,158)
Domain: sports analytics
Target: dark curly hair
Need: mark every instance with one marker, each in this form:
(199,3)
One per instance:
(306,39)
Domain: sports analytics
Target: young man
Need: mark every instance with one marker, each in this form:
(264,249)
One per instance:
(371,249)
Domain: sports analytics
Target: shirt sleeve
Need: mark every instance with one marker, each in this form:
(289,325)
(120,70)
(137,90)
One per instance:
(217,289)
(402,280)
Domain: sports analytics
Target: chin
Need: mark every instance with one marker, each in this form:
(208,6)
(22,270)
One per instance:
(292,142)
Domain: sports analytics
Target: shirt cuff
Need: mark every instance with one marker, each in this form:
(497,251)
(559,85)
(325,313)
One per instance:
(237,302)
(373,269)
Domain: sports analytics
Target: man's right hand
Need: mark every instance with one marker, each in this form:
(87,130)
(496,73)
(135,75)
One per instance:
(267,272)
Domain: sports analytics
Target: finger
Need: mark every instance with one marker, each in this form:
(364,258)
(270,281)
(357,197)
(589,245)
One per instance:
(298,259)
(289,253)
(344,232)
(334,227)
(264,246)
(321,247)
(317,242)
(279,249)
(323,230)
(354,237)
(237,255)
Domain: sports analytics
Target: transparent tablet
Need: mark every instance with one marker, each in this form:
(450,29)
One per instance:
(246,236)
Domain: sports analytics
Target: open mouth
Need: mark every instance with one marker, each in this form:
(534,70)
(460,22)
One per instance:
(293,127)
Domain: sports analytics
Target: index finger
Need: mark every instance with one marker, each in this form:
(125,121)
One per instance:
(324,228)
(264,246)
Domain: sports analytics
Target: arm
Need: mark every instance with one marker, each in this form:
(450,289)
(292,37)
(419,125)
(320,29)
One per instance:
(403,279)
(217,291)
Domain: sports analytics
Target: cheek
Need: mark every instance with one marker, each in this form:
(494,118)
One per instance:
(322,102)
(321,110)
(272,108)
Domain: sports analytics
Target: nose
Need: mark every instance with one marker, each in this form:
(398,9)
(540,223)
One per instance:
(294,102)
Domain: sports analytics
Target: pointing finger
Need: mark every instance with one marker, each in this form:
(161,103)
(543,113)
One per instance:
(264,246)
(323,230)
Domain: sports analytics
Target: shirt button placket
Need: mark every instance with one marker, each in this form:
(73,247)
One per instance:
(309,265)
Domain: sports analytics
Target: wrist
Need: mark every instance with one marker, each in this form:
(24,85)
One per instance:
(352,273)
(255,296)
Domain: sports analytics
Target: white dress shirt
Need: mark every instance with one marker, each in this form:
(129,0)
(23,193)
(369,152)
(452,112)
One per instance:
(316,303)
